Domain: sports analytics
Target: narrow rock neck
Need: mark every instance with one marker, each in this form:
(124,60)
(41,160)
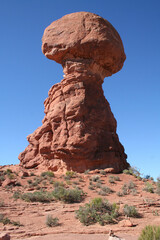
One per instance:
(83,67)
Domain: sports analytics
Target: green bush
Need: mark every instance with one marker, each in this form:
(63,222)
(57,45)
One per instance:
(131,185)
(38,196)
(87,171)
(29,181)
(128,188)
(116,178)
(132,171)
(68,195)
(130,211)
(58,184)
(69,175)
(6,220)
(120,194)
(91,187)
(105,191)
(48,174)
(149,187)
(150,233)
(2,177)
(98,210)
(16,195)
(95,178)
(8,171)
(103,172)
(52,222)
(134,192)
(112,179)
(125,189)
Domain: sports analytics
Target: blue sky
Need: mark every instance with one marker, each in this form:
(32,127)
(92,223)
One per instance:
(26,75)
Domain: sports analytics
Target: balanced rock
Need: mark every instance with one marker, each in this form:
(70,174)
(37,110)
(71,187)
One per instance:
(79,129)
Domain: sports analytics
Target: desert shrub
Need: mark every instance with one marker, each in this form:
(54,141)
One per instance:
(150,233)
(6,220)
(48,174)
(132,171)
(52,222)
(2,203)
(128,188)
(155,213)
(75,183)
(37,196)
(16,223)
(105,191)
(130,211)
(2,177)
(44,183)
(116,178)
(87,171)
(8,171)
(38,180)
(131,185)
(133,191)
(91,187)
(81,179)
(102,193)
(1,217)
(11,176)
(98,184)
(16,195)
(68,195)
(95,178)
(29,181)
(34,184)
(97,210)
(149,187)
(58,184)
(32,174)
(120,194)
(102,172)
(111,179)
(69,175)
(125,189)
(127,171)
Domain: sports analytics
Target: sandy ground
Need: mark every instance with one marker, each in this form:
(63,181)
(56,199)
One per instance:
(32,215)
(79,237)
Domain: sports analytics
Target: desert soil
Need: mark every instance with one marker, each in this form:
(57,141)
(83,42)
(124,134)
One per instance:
(32,215)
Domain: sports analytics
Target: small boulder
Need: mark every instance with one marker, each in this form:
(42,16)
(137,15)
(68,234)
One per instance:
(23,174)
(8,182)
(4,236)
(126,223)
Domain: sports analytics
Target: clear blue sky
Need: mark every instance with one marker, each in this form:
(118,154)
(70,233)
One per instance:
(26,75)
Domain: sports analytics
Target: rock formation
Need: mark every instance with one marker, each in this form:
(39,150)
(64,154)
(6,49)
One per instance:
(79,129)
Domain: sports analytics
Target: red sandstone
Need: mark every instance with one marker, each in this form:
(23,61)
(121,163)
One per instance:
(79,129)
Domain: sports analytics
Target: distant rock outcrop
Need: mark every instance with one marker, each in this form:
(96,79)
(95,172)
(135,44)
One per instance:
(79,129)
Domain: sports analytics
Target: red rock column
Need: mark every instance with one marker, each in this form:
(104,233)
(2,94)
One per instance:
(79,129)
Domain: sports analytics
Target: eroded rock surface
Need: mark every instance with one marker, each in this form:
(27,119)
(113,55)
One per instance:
(79,129)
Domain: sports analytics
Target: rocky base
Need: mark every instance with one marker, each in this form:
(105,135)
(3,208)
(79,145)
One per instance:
(79,129)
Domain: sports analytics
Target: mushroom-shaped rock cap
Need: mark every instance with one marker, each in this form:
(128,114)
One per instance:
(84,35)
